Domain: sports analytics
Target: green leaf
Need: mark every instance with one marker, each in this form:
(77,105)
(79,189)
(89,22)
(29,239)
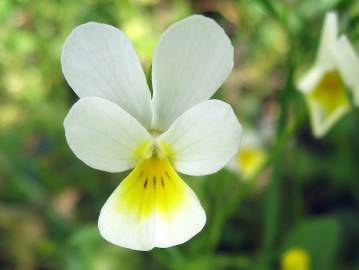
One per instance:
(319,237)
(149,78)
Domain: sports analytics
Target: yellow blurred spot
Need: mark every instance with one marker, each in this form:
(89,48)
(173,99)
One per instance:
(14,82)
(140,31)
(330,93)
(9,115)
(295,259)
(249,160)
(153,185)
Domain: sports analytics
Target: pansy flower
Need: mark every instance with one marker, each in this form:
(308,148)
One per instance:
(251,155)
(118,125)
(325,85)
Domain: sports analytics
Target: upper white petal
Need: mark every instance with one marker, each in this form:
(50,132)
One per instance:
(204,138)
(192,59)
(347,62)
(328,36)
(324,60)
(99,60)
(103,135)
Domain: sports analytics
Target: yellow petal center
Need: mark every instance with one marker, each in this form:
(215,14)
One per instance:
(330,93)
(249,160)
(295,259)
(153,185)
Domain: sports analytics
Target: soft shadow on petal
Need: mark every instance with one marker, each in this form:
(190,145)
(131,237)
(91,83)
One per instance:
(192,59)
(99,60)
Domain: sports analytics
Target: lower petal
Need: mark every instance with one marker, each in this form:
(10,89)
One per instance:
(152,207)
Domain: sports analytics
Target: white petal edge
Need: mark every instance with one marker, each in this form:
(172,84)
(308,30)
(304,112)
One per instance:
(319,126)
(99,60)
(310,79)
(134,232)
(103,135)
(347,62)
(191,61)
(328,36)
(204,139)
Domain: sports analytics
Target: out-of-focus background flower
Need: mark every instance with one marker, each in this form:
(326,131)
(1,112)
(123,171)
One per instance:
(298,206)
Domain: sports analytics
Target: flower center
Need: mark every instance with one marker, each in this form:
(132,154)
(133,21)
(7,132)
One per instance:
(152,185)
(249,159)
(153,149)
(330,92)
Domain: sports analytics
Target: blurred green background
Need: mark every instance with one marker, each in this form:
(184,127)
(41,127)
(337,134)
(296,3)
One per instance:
(305,195)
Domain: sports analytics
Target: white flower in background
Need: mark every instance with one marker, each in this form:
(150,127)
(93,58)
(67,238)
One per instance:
(324,85)
(116,125)
(251,155)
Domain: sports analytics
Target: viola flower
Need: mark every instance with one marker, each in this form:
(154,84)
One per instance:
(250,157)
(116,125)
(324,85)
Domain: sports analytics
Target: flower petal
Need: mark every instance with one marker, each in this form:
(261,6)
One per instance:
(191,61)
(328,36)
(348,64)
(104,136)
(152,207)
(324,61)
(99,60)
(203,139)
(249,160)
(310,79)
(327,103)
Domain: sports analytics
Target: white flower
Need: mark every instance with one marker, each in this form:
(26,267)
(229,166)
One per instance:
(251,155)
(116,125)
(324,85)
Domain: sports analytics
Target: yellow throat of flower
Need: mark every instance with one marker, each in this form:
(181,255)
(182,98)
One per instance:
(330,93)
(249,160)
(153,185)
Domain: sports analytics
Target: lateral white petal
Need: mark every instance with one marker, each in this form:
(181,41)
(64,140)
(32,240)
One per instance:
(328,36)
(310,79)
(192,59)
(204,138)
(348,64)
(103,135)
(99,60)
(142,214)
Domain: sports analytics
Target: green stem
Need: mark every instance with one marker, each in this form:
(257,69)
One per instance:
(272,206)
(149,78)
